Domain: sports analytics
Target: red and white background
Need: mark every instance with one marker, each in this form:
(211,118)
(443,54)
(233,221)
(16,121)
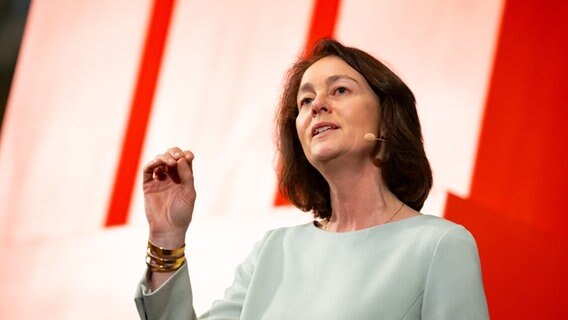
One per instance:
(102,86)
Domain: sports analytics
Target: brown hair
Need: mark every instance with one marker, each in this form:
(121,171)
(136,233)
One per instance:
(405,168)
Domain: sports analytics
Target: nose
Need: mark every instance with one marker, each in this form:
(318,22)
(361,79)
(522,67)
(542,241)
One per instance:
(319,105)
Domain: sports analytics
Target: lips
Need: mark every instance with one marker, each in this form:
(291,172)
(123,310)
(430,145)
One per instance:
(322,127)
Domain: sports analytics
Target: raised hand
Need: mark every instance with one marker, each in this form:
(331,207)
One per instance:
(169,196)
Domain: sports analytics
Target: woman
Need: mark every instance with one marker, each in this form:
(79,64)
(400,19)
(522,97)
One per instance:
(351,152)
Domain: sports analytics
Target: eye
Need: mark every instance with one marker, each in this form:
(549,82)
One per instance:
(305,101)
(341,90)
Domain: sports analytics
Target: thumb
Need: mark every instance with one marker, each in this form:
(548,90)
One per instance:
(185,171)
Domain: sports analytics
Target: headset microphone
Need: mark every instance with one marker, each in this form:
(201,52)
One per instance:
(369,137)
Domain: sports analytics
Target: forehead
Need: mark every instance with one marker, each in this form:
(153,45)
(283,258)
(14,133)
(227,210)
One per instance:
(327,67)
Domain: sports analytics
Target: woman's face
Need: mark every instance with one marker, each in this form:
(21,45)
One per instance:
(337,107)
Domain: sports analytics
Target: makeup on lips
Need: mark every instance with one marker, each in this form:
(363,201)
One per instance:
(322,127)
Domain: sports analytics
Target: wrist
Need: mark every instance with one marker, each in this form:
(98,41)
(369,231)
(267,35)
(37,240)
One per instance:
(170,240)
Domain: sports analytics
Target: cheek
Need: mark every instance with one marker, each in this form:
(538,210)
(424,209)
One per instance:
(301,125)
(371,120)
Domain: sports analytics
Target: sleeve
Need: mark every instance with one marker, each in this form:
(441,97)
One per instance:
(174,299)
(454,287)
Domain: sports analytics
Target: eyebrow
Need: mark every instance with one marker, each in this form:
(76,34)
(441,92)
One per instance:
(308,86)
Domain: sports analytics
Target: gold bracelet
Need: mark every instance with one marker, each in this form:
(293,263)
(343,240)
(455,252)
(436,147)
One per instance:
(165,252)
(160,259)
(155,256)
(155,267)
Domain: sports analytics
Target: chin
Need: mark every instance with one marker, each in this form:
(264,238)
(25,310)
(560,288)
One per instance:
(323,155)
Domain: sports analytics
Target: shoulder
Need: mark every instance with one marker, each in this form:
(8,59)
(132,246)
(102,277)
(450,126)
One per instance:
(439,227)
(428,231)
(435,222)
(453,285)
(448,237)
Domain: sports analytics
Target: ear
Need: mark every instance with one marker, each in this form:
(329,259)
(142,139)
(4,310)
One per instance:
(379,153)
(380,148)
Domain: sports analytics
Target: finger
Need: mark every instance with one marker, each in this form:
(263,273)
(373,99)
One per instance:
(172,172)
(169,159)
(176,152)
(185,172)
(170,168)
(189,156)
(150,167)
(154,163)
(160,173)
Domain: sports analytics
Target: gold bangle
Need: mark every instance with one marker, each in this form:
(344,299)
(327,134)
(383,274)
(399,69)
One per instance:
(155,267)
(165,252)
(155,256)
(164,260)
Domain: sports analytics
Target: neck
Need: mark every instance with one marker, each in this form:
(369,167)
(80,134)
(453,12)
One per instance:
(359,198)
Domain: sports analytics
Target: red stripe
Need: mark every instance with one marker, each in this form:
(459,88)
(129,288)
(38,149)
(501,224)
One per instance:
(517,205)
(150,63)
(324,19)
(322,25)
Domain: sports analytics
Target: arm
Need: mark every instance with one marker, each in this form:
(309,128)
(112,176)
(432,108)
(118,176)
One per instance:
(454,287)
(174,299)
(169,198)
